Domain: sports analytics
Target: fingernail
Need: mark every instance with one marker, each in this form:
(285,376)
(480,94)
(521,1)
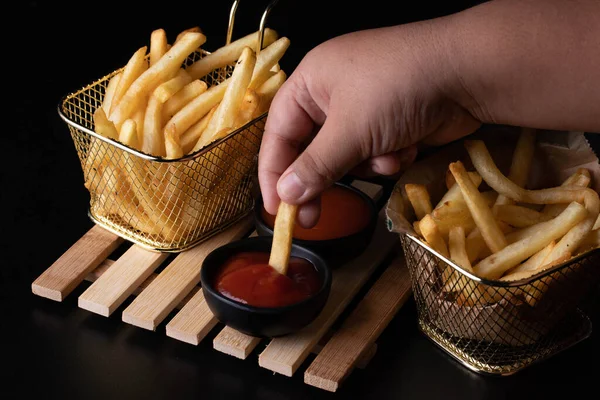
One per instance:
(290,187)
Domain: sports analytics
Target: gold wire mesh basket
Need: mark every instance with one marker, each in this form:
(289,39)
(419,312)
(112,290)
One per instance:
(498,327)
(162,204)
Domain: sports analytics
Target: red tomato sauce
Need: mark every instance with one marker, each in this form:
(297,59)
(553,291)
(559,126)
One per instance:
(343,213)
(248,278)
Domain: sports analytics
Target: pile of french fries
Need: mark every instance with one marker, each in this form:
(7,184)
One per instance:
(506,233)
(162,105)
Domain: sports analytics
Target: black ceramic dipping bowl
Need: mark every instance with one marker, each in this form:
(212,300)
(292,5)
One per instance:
(261,321)
(335,251)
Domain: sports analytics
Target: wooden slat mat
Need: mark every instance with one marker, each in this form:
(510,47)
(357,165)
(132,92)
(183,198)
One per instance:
(175,291)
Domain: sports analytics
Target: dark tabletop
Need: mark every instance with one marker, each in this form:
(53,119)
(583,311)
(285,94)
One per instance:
(57,350)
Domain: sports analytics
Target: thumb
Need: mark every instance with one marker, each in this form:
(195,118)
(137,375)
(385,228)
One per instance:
(332,153)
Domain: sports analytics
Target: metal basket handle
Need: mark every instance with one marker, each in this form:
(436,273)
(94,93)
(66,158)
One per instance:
(261,29)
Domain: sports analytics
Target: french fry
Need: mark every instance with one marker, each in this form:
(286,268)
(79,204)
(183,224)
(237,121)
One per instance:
(535,261)
(449,179)
(455,194)
(183,97)
(419,199)
(103,126)
(197,108)
(158,45)
(266,92)
(229,54)
(432,235)
(180,35)
(282,237)
(581,178)
(138,116)
(481,213)
(154,141)
(128,134)
(590,242)
(173,147)
(233,97)
(163,70)
(247,108)
(519,216)
(493,266)
(110,92)
(136,65)
(494,178)
(190,137)
(167,89)
(268,57)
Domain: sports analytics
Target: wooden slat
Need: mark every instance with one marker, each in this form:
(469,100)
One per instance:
(284,355)
(240,345)
(235,343)
(114,286)
(56,282)
(193,322)
(362,327)
(97,273)
(170,287)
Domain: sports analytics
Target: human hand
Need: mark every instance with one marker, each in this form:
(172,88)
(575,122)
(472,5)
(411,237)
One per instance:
(358,103)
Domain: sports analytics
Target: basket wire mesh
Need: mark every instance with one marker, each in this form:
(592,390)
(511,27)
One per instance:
(165,204)
(498,327)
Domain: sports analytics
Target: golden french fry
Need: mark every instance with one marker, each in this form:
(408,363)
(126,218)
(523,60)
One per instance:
(103,126)
(266,92)
(578,179)
(494,266)
(419,199)
(521,162)
(182,97)
(233,97)
(247,108)
(158,45)
(128,134)
(283,229)
(432,235)
(163,70)
(136,65)
(183,32)
(476,247)
(457,248)
(229,54)
(193,111)
(190,137)
(449,179)
(172,144)
(455,194)
(495,179)
(535,261)
(519,216)
(590,242)
(167,89)
(154,141)
(481,213)
(138,116)
(268,57)
(110,92)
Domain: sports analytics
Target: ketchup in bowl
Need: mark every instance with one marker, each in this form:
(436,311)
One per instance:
(248,278)
(343,212)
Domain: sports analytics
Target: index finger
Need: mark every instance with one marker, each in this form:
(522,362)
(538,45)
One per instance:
(292,119)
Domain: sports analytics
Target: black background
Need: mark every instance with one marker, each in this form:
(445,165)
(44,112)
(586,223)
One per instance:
(60,351)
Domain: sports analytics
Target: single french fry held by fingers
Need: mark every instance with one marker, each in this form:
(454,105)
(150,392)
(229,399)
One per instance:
(163,70)
(419,198)
(481,213)
(158,45)
(233,97)
(229,54)
(283,229)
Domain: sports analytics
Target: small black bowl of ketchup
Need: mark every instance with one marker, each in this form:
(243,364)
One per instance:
(345,227)
(245,293)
